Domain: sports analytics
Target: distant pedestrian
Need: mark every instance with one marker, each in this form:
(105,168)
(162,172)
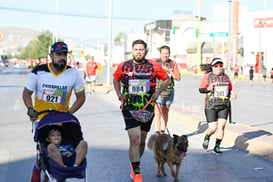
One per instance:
(87,57)
(91,71)
(195,69)
(218,89)
(236,73)
(271,75)
(251,75)
(264,73)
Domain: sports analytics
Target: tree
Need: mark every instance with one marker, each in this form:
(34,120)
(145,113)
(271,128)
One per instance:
(120,38)
(37,48)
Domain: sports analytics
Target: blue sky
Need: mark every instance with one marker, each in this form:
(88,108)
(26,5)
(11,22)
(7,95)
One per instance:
(87,19)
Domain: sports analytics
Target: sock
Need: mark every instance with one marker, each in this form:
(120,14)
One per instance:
(207,137)
(218,142)
(37,167)
(162,131)
(136,167)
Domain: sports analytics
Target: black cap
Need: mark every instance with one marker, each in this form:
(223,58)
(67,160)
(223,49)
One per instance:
(59,47)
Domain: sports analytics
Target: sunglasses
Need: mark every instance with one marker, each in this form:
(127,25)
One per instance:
(218,65)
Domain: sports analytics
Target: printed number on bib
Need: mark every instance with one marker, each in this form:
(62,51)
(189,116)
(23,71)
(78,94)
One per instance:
(51,96)
(139,86)
(220,91)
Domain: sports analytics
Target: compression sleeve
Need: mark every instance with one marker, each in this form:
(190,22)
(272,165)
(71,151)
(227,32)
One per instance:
(203,90)
(204,84)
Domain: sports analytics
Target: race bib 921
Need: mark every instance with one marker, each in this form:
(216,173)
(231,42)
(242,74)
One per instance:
(53,96)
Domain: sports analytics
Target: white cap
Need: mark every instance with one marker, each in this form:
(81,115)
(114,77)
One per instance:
(216,60)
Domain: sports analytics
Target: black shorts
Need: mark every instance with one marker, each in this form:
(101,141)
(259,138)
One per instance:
(69,161)
(132,123)
(236,74)
(213,115)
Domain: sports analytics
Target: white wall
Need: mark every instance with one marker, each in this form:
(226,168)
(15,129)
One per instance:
(257,39)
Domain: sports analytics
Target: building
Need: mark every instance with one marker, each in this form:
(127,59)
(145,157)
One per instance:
(258,45)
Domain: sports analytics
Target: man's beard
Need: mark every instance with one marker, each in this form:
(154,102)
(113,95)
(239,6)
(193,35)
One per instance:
(139,60)
(60,67)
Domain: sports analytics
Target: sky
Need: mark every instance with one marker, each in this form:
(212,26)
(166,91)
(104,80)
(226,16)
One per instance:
(87,20)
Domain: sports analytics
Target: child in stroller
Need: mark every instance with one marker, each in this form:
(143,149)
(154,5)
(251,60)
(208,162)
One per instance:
(64,155)
(61,147)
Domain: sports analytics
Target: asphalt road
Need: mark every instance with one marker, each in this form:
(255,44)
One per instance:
(107,158)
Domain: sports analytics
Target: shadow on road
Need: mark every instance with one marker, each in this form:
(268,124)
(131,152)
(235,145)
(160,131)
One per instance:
(201,127)
(242,140)
(104,165)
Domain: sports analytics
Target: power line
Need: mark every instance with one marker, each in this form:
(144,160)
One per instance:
(74,14)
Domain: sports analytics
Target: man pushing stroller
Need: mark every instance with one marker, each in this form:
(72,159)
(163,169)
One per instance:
(53,84)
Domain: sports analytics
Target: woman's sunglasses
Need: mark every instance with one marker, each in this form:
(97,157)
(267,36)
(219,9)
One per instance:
(218,65)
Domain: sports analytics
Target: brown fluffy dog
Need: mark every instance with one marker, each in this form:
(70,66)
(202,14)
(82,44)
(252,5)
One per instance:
(170,150)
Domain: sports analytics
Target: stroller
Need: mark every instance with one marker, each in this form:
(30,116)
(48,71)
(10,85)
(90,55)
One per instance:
(71,134)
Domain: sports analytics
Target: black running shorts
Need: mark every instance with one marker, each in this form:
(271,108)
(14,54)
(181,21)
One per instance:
(132,123)
(214,115)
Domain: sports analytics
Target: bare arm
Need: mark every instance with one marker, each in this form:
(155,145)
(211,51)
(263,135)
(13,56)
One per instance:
(97,73)
(162,87)
(80,99)
(175,73)
(28,100)
(117,87)
(233,95)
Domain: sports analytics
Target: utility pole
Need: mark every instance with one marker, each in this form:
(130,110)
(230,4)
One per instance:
(55,38)
(229,36)
(198,42)
(108,80)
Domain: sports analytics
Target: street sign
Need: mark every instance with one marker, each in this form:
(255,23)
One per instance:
(219,34)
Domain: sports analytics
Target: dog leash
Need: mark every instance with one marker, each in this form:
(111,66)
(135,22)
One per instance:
(162,117)
(121,107)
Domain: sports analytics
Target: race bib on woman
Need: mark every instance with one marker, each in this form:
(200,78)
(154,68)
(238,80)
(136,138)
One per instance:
(221,91)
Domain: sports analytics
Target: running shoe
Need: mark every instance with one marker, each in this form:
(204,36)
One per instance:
(217,150)
(206,144)
(135,177)
(36,175)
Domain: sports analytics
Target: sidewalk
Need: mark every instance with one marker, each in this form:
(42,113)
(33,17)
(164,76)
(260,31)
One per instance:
(250,139)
